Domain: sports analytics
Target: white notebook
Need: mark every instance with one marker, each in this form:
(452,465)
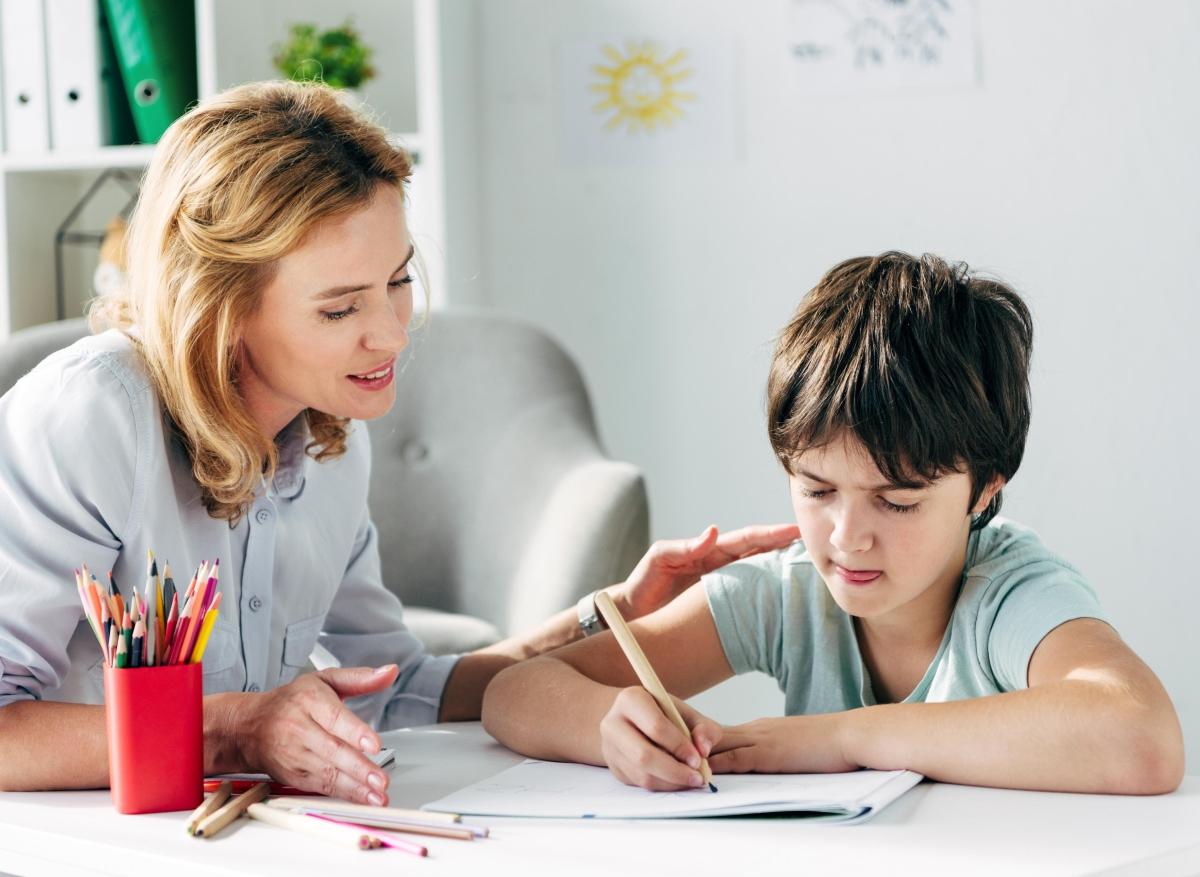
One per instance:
(548,789)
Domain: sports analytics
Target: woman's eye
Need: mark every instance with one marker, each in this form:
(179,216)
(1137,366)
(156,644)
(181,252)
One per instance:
(813,494)
(338,315)
(403,281)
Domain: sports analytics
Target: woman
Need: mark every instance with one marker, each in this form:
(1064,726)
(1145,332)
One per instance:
(269,295)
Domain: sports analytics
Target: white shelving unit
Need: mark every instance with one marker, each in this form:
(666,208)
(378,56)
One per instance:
(234,44)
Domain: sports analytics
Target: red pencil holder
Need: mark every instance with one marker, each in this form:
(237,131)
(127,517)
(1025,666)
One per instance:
(155,719)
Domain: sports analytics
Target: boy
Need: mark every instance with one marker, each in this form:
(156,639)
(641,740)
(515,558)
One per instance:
(909,628)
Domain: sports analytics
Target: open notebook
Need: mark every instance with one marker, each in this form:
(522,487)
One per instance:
(579,791)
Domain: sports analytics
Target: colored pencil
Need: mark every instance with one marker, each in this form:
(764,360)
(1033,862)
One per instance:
(334,832)
(210,825)
(212,804)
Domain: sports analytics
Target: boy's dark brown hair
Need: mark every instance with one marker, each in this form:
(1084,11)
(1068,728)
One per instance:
(927,365)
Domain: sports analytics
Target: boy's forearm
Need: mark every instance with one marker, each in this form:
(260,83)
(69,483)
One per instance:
(544,708)
(1067,736)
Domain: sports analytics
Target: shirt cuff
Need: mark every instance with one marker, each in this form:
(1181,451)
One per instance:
(416,698)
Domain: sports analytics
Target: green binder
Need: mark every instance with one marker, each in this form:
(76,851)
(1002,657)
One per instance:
(121,129)
(156,48)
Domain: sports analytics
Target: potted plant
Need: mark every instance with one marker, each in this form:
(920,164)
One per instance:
(336,56)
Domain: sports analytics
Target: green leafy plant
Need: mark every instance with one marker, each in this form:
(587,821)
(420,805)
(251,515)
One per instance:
(336,56)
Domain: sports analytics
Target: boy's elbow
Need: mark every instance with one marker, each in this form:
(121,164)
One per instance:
(497,699)
(1152,761)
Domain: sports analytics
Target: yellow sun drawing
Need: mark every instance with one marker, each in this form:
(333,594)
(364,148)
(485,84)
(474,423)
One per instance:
(639,88)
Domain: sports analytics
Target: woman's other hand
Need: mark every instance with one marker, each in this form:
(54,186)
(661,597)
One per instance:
(670,567)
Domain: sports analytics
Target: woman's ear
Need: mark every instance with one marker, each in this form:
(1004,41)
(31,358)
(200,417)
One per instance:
(993,487)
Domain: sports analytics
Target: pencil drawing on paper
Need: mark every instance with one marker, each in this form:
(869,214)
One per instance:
(839,44)
(639,89)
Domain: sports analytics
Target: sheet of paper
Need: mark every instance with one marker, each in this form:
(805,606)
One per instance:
(550,789)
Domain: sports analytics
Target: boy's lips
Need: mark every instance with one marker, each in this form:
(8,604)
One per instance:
(857,576)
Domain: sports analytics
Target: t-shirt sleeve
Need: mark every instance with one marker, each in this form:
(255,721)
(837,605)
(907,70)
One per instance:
(1022,607)
(746,602)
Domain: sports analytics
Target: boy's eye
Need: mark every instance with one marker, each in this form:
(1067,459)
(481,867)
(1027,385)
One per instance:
(813,494)
(899,509)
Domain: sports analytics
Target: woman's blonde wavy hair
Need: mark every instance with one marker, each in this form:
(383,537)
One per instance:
(234,185)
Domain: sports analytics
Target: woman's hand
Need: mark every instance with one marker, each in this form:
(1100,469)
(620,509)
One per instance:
(303,735)
(795,744)
(670,567)
(642,747)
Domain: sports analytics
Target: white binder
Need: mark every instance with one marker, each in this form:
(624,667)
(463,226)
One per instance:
(23,54)
(77,100)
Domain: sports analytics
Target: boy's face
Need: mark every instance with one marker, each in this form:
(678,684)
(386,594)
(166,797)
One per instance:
(884,551)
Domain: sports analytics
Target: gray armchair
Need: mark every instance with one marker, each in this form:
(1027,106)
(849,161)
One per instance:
(495,504)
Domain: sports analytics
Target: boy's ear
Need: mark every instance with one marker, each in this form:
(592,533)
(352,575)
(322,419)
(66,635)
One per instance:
(993,487)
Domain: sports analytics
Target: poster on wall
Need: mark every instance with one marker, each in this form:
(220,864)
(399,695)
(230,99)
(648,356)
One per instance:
(641,100)
(882,45)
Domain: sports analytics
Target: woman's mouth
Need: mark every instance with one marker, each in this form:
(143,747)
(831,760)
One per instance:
(857,576)
(376,379)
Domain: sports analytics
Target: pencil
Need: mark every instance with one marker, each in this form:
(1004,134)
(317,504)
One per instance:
(212,804)
(347,808)
(645,673)
(339,833)
(231,810)
(210,618)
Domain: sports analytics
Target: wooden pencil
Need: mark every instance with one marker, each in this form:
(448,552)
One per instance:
(645,672)
(210,825)
(212,804)
(348,807)
(338,833)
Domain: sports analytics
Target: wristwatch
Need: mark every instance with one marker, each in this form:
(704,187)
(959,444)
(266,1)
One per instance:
(590,619)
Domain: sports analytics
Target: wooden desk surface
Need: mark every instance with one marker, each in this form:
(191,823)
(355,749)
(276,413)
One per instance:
(934,829)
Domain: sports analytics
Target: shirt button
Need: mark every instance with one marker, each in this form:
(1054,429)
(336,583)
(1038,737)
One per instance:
(255,604)
(263,516)
(253,686)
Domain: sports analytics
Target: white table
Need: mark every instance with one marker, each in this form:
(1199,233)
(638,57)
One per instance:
(934,829)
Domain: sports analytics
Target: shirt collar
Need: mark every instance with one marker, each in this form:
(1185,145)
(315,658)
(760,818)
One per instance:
(291,462)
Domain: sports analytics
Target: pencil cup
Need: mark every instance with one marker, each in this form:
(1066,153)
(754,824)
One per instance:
(155,737)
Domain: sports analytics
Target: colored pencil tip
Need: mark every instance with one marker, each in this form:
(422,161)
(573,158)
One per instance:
(711,787)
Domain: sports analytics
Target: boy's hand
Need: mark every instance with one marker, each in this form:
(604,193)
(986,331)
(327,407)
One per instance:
(670,567)
(795,744)
(642,747)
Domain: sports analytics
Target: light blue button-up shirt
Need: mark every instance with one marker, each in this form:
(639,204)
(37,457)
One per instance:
(90,472)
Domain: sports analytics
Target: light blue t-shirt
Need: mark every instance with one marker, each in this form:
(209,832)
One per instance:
(775,615)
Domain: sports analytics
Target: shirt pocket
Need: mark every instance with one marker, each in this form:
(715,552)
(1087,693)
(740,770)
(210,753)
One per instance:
(221,659)
(298,641)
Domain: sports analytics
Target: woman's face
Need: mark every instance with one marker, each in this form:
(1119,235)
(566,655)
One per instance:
(884,550)
(332,320)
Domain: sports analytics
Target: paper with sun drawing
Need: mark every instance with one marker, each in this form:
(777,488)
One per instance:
(882,45)
(548,789)
(642,100)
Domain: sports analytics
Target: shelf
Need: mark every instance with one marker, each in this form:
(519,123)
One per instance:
(92,159)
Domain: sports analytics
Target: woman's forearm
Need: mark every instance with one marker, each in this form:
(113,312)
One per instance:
(544,708)
(1071,735)
(49,745)
(463,698)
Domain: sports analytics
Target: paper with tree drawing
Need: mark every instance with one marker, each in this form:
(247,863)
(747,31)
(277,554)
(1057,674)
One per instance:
(574,791)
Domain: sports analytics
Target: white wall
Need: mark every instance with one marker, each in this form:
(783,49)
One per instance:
(1073,171)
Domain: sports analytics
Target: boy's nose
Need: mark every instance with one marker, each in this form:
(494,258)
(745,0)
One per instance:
(850,534)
